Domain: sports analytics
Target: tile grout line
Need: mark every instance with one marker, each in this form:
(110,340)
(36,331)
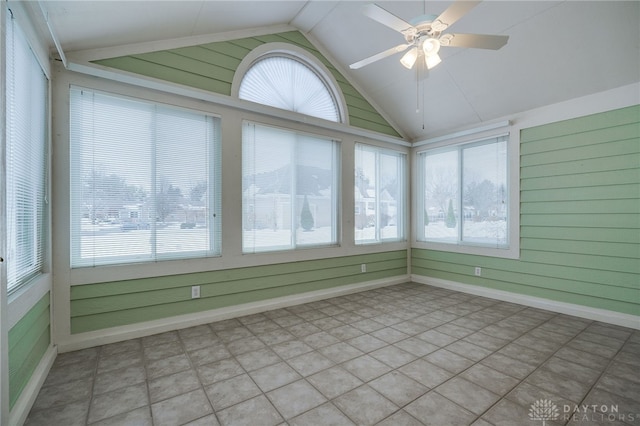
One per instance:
(495,351)
(401,408)
(195,370)
(528,375)
(604,371)
(455,375)
(93,383)
(383,304)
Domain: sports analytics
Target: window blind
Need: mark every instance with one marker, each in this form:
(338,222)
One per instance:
(287,83)
(379,194)
(26,153)
(145,181)
(289,187)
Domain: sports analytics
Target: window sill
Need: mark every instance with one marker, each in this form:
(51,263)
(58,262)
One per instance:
(512,252)
(26,297)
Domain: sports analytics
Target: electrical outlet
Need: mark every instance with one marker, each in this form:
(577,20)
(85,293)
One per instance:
(195,291)
(363,267)
(478,271)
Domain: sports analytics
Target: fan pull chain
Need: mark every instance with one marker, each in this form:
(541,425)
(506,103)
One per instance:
(417,92)
(423,112)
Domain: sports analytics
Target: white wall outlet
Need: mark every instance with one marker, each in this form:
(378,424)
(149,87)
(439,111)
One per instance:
(363,267)
(478,271)
(195,291)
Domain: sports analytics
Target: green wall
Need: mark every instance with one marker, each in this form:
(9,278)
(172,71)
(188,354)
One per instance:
(212,66)
(97,306)
(28,342)
(579,218)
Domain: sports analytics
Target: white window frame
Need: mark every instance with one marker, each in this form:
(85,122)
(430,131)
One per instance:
(214,199)
(39,255)
(401,203)
(512,248)
(304,57)
(335,200)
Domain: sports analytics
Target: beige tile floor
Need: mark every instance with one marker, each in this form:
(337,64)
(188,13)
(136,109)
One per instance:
(408,354)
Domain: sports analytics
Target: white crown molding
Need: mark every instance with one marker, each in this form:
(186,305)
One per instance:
(176,43)
(216,98)
(607,100)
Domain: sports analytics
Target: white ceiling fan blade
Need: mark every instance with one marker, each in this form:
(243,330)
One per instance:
(377,57)
(386,18)
(480,41)
(456,11)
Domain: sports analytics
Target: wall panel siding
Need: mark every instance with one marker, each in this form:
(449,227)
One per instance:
(212,67)
(103,305)
(579,218)
(28,342)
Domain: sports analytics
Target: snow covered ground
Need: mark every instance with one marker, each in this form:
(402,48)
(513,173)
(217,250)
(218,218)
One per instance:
(262,239)
(108,240)
(489,232)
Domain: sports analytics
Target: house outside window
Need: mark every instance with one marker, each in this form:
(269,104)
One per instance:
(289,189)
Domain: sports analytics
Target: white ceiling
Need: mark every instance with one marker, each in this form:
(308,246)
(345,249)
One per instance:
(557,50)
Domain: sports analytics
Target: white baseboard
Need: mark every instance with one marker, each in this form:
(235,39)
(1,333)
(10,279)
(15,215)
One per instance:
(611,317)
(134,331)
(20,411)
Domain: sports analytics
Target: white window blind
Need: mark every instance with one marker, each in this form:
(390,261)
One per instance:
(289,187)
(145,181)
(380,188)
(463,194)
(287,83)
(26,152)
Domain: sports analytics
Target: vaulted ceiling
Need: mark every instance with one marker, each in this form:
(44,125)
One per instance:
(557,50)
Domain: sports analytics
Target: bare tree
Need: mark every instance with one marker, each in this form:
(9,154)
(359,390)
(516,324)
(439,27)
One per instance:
(440,187)
(167,198)
(105,194)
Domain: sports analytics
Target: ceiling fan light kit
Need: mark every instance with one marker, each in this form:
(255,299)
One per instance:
(423,34)
(432,60)
(431,46)
(409,58)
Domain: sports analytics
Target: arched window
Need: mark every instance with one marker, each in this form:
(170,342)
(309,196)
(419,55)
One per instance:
(284,81)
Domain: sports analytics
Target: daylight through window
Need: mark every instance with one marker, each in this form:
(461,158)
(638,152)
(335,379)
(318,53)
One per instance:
(379,194)
(144,181)
(285,82)
(26,152)
(289,189)
(463,194)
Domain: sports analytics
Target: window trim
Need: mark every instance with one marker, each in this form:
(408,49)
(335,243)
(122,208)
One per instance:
(513,177)
(303,56)
(22,27)
(215,172)
(335,201)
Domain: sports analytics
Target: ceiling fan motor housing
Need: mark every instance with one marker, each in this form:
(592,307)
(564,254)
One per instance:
(424,27)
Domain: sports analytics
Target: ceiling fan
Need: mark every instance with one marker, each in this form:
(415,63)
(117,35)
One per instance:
(424,36)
